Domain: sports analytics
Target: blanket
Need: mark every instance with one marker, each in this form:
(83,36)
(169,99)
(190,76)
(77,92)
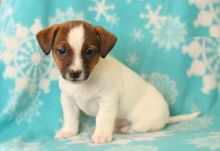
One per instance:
(174,45)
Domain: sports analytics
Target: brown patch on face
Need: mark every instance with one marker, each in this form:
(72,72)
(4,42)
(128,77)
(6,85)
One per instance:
(98,42)
(91,43)
(60,42)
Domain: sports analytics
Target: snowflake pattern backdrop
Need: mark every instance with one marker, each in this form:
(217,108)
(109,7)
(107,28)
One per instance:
(174,45)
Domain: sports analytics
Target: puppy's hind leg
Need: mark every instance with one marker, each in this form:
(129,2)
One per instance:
(123,126)
(140,127)
(130,128)
(127,130)
(145,126)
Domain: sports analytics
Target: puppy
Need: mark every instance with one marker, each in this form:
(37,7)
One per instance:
(100,85)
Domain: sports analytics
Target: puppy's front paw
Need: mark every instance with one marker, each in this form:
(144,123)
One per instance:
(63,134)
(101,138)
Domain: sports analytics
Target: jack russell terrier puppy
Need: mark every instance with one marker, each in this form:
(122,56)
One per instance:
(100,85)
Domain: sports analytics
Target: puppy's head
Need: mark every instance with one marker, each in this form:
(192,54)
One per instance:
(76,47)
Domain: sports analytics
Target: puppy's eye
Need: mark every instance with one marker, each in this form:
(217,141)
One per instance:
(89,52)
(62,51)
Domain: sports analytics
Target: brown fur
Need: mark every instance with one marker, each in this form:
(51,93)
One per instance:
(55,36)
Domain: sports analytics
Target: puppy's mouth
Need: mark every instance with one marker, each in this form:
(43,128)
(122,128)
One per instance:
(83,78)
(77,81)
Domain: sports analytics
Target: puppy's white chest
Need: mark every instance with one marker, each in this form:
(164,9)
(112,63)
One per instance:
(87,101)
(89,106)
(85,97)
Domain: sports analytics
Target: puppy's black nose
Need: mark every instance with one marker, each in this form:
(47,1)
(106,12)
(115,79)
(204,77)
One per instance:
(75,74)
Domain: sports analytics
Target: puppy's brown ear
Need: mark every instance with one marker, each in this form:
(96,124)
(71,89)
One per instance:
(106,40)
(46,38)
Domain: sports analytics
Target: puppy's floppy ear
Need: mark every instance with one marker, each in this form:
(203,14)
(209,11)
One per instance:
(106,40)
(46,38)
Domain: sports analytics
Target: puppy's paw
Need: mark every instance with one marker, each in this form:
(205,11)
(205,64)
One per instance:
(101,138)
(63,134)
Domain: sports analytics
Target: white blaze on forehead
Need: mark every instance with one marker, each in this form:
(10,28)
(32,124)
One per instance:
(76,40)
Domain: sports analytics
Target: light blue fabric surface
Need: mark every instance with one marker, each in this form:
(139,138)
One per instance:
(167,42)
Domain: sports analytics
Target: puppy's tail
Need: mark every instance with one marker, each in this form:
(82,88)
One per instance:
(181,118)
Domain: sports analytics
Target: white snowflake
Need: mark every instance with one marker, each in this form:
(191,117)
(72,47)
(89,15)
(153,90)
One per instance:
(102,9)
(25,61)
(164,84)
(152,17)
(134,147)
(137,35)
(22,107)
(168,32)
(210,141)
(132,59)
(208,16)
(205,53)
(18,144)
(195,124)
(62,16)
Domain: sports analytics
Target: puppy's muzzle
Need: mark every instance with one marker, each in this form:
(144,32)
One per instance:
(75,74)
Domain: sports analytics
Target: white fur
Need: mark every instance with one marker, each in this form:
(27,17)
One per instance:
(70,120)
(113,91)
(76,40)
